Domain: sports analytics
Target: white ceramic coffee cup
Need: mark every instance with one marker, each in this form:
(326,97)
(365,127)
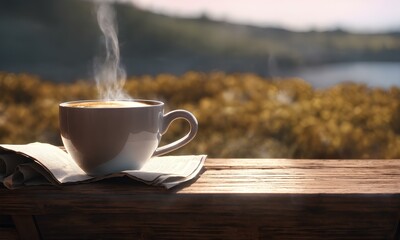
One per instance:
(112,136)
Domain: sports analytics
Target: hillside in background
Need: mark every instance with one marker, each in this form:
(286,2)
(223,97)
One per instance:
(58,39)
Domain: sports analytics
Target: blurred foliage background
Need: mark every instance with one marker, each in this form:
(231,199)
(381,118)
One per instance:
(240,115)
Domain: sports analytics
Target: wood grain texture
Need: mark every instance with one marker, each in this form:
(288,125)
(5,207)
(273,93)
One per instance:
(8,234)
(26,227)
(232,199)
(7,228)
(299,176)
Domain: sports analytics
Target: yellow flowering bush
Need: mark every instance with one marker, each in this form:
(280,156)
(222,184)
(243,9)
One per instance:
(240,115)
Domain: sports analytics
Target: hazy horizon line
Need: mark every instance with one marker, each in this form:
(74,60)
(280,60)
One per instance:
(206,15)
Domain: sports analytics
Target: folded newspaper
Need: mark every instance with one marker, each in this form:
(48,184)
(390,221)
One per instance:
(45,164)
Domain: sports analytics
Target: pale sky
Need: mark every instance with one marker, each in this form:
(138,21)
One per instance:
(356,15)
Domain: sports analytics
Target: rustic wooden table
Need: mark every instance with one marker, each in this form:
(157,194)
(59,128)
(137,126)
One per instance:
(232,199)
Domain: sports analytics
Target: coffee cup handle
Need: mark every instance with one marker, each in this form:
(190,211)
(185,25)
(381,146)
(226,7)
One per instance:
(167,120)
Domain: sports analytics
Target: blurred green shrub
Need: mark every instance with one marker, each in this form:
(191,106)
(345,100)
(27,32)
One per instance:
(240,115)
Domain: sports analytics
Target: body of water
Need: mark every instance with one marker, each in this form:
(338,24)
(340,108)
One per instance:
(374,74)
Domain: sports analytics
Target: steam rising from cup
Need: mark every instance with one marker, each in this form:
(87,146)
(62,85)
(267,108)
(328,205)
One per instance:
(109,75)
